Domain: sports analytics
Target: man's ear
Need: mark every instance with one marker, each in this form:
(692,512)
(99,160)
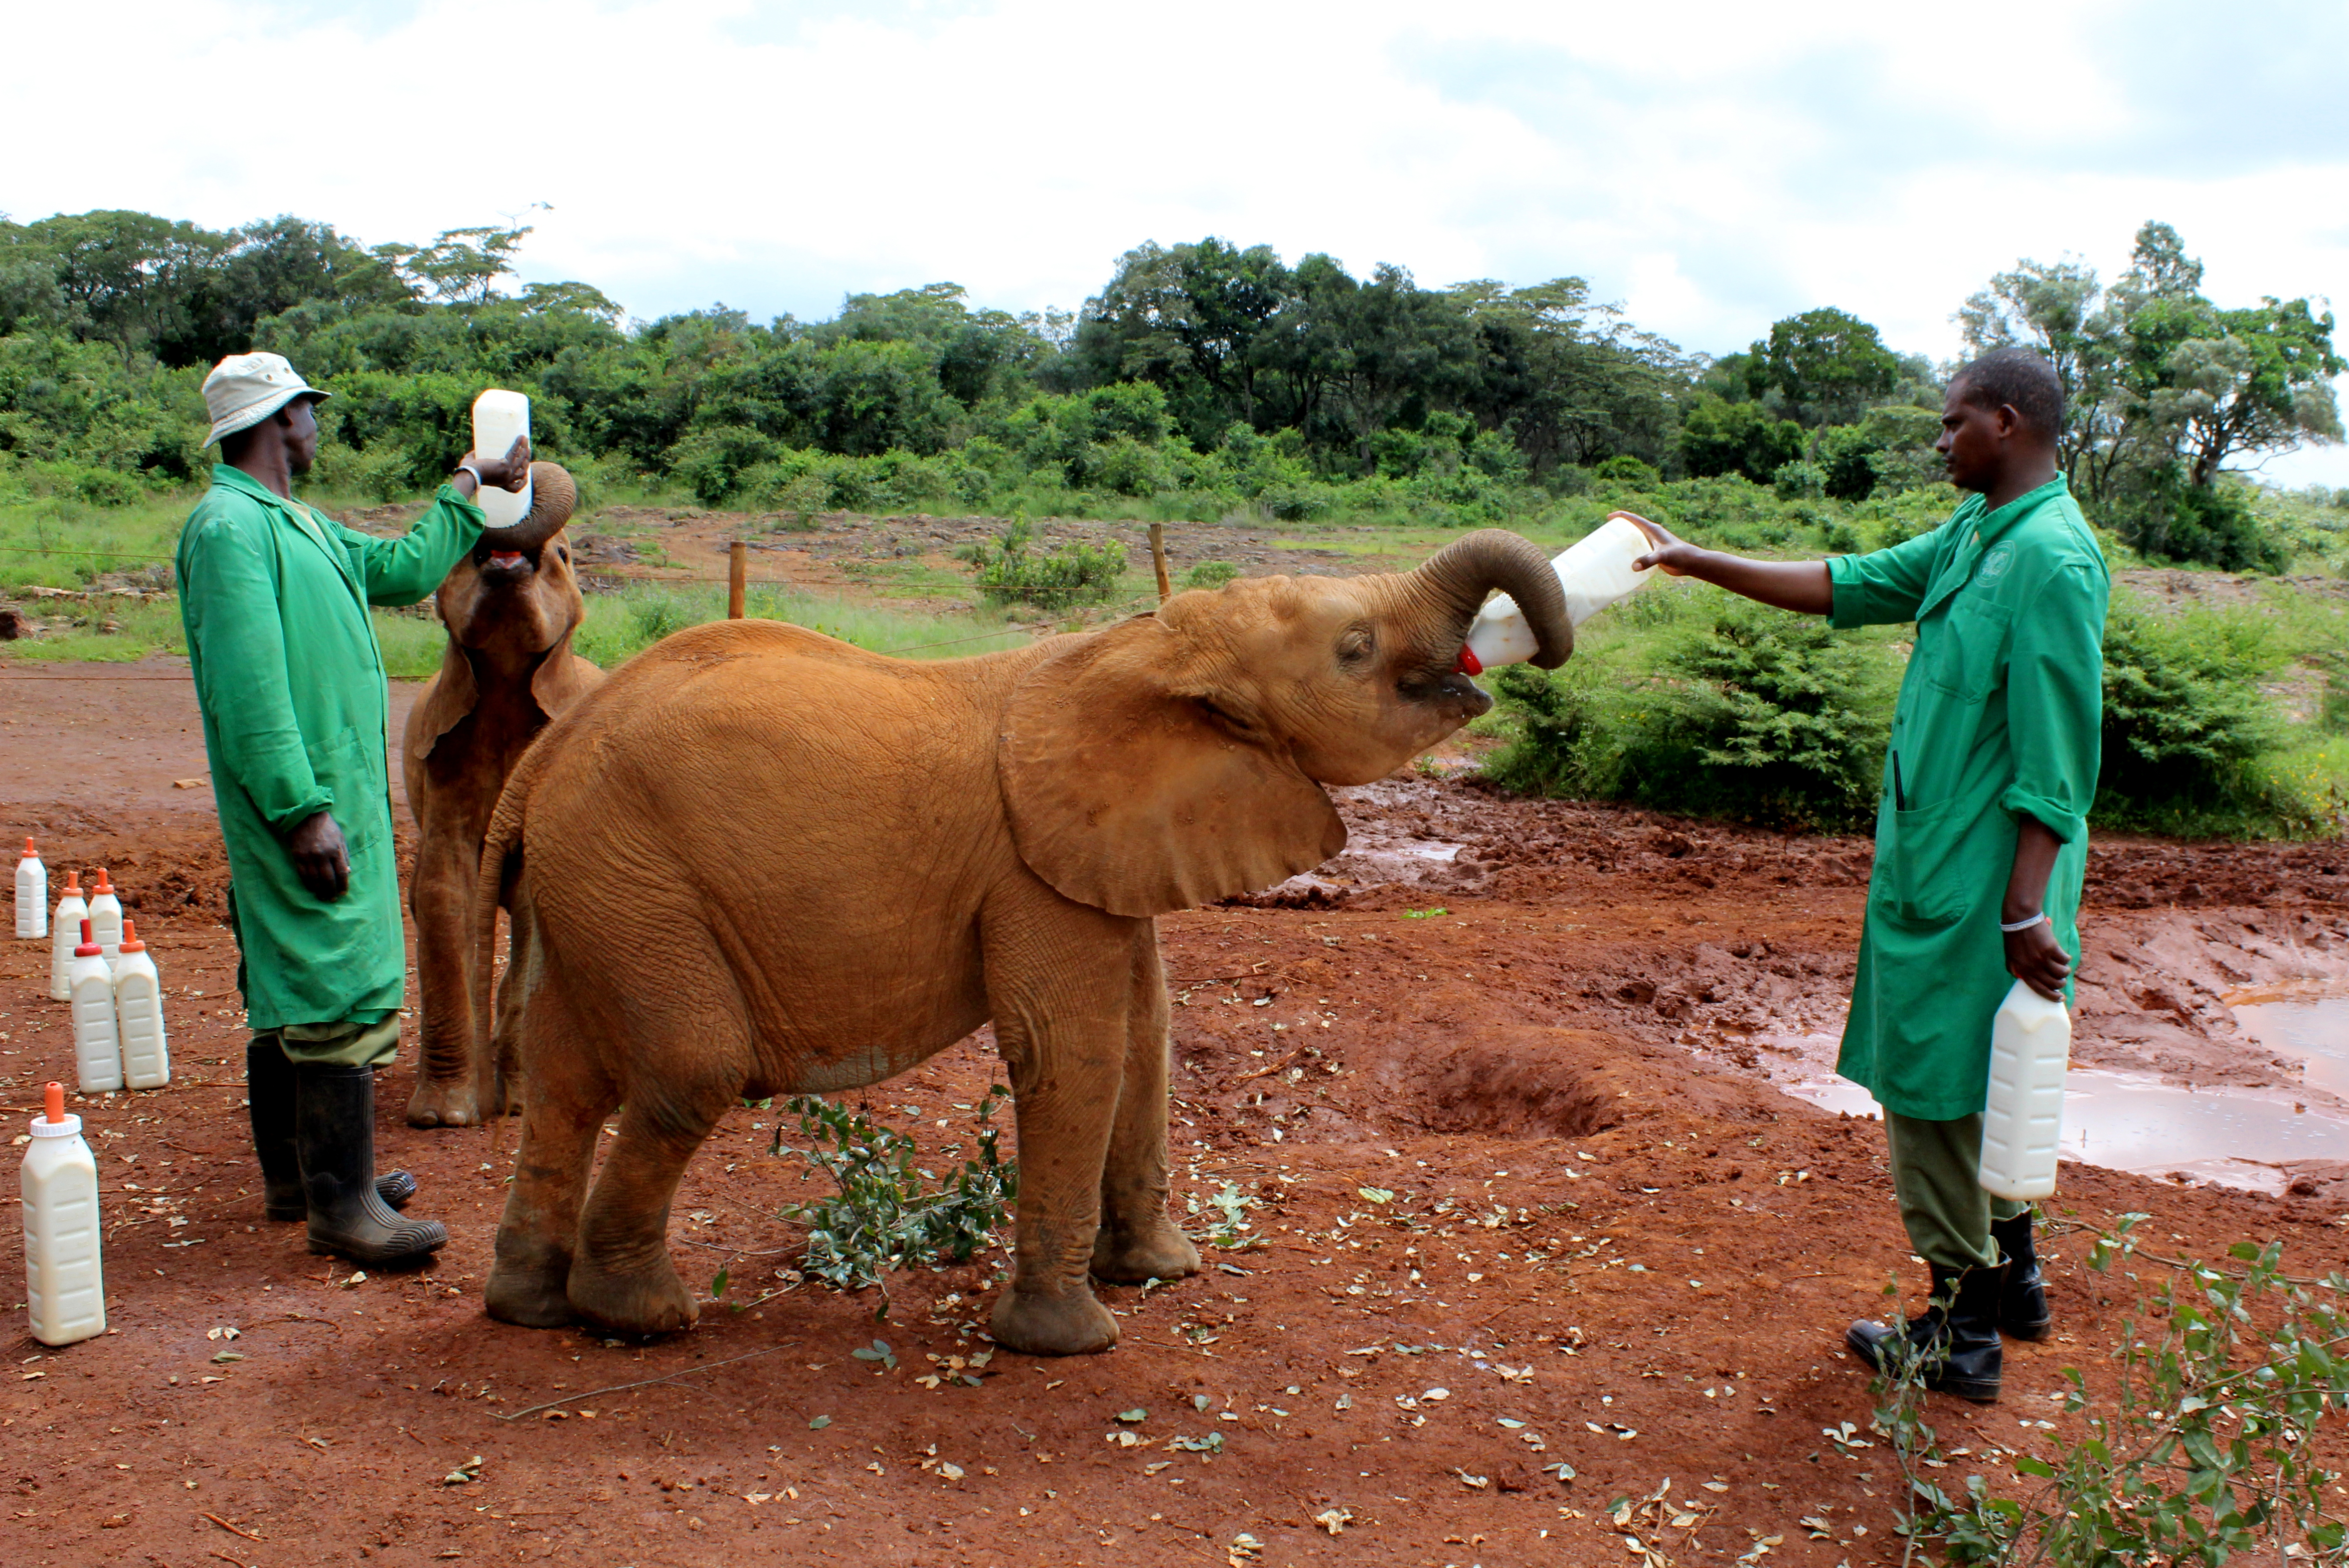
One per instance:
(1128,791)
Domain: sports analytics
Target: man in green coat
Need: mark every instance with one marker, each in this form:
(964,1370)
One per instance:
(275,599)
(1980,833)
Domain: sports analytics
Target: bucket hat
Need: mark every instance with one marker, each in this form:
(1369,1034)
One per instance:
(246,389)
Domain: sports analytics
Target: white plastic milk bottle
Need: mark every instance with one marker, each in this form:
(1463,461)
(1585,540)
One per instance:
(105,918)
(1594,574)
(65,1287)
(98,1047)
(499,417)
(32,894)
(2030,1046)
(64,930)
(139,1015)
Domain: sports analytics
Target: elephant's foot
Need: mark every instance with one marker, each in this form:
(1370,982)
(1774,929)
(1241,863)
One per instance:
(530,1294)
(652,1300)
(1156,1251)
(1070,1325)
(444,1102)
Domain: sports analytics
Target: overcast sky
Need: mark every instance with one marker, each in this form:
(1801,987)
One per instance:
(1713,166)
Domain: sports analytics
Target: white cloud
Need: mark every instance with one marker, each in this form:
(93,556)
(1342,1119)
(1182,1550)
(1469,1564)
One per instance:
(1714,166)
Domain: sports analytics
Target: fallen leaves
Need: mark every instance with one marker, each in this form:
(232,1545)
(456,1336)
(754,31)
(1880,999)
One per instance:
(470,1471)
(1334,1520)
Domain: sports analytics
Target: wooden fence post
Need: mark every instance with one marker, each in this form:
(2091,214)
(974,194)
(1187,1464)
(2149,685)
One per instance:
(1158,559)
(738,559)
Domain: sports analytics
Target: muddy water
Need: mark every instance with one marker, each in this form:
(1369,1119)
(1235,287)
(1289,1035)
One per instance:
(2240,1137)
(2234,1136)
(2311,1026)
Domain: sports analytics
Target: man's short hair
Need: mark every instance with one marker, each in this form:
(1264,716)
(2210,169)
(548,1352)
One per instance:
(2018,378)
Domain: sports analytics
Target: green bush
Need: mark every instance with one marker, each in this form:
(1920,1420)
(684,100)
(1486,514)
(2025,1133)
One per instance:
(2170,517)
(1010,572)
(2186,723)
(1210,574)
(1763,717)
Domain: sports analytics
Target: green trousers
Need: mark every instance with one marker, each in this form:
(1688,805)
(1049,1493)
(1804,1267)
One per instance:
(1937,1180)
(349,1044)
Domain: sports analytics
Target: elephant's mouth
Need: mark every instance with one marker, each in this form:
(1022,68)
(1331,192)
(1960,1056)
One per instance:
(504,566)
(1447,689)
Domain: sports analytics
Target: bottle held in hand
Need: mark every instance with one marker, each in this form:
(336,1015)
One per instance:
(500,417)
(1594,574)
(2023,1123)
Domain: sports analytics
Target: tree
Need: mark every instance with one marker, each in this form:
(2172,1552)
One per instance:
(1826,365)
(1719,438)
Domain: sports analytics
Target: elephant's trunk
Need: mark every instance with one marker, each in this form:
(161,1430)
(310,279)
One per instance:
(1458,576)
(553,495)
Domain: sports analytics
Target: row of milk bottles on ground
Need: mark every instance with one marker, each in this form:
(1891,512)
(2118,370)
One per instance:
(2031,1036)
(98,964)
(65,1274)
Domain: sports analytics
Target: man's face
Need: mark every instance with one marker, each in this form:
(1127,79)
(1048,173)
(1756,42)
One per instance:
(301,436)
(1974,440)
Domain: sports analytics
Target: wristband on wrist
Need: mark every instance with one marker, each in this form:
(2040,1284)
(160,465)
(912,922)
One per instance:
(479,482)
(2012,927)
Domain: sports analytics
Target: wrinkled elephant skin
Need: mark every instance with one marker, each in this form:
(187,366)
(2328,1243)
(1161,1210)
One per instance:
(759,861)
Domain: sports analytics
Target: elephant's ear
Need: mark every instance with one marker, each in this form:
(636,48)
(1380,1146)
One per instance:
(1134,788)
(453,696)
(561,678)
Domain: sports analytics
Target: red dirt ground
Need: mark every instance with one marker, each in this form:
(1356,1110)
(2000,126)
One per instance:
(1608,1241)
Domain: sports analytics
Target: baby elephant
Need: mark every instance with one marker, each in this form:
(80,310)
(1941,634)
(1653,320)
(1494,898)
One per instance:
(511,608)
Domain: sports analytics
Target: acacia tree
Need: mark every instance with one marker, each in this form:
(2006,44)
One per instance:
(2156,377)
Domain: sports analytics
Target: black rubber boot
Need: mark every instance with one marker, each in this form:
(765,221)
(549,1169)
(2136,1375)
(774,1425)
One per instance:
(269,1097)
(2023,1306)
(334,1135)
(1955,1336)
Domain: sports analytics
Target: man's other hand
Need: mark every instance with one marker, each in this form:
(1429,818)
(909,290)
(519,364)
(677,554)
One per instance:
(321,858)
(2034,958)
(510,472)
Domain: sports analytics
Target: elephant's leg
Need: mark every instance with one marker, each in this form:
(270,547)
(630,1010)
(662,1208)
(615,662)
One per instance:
(569,1094)
(1059,984)
(497,1071)
(441,899)
(689,1063)
(1138,1240)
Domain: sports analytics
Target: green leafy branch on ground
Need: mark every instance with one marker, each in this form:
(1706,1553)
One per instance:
(2204,1451)
(887,1213)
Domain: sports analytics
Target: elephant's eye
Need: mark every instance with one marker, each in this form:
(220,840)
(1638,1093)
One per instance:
(1358,644)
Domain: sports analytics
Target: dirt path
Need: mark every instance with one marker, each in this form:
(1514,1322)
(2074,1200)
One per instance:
(1521,1195)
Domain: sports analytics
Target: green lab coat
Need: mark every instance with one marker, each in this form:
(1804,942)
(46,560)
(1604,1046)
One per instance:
(1999,718)
(274,596)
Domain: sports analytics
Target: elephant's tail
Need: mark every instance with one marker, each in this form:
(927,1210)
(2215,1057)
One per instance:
(501,855)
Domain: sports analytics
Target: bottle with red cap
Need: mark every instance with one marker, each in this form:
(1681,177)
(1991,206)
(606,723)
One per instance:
(32,894)
(64,1285)
(97,1045)
(138,1014)
(64,932)
(106,917)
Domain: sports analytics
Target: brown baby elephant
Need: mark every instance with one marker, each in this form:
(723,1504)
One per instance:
(511,608)
(759,861)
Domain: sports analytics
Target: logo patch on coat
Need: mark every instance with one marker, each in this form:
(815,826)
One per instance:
(1993,565)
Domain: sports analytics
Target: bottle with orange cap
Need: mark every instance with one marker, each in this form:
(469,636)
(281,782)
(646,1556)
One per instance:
(32,894)
(65,1284)
(106,917)
(97,1045)
(63,932)
(139,1015)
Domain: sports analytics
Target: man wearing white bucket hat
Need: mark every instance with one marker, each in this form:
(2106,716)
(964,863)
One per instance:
(1981,836)
(275,598)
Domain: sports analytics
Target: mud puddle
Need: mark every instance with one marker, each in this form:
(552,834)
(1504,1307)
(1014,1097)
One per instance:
(2164,1131)
(2311,1025)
